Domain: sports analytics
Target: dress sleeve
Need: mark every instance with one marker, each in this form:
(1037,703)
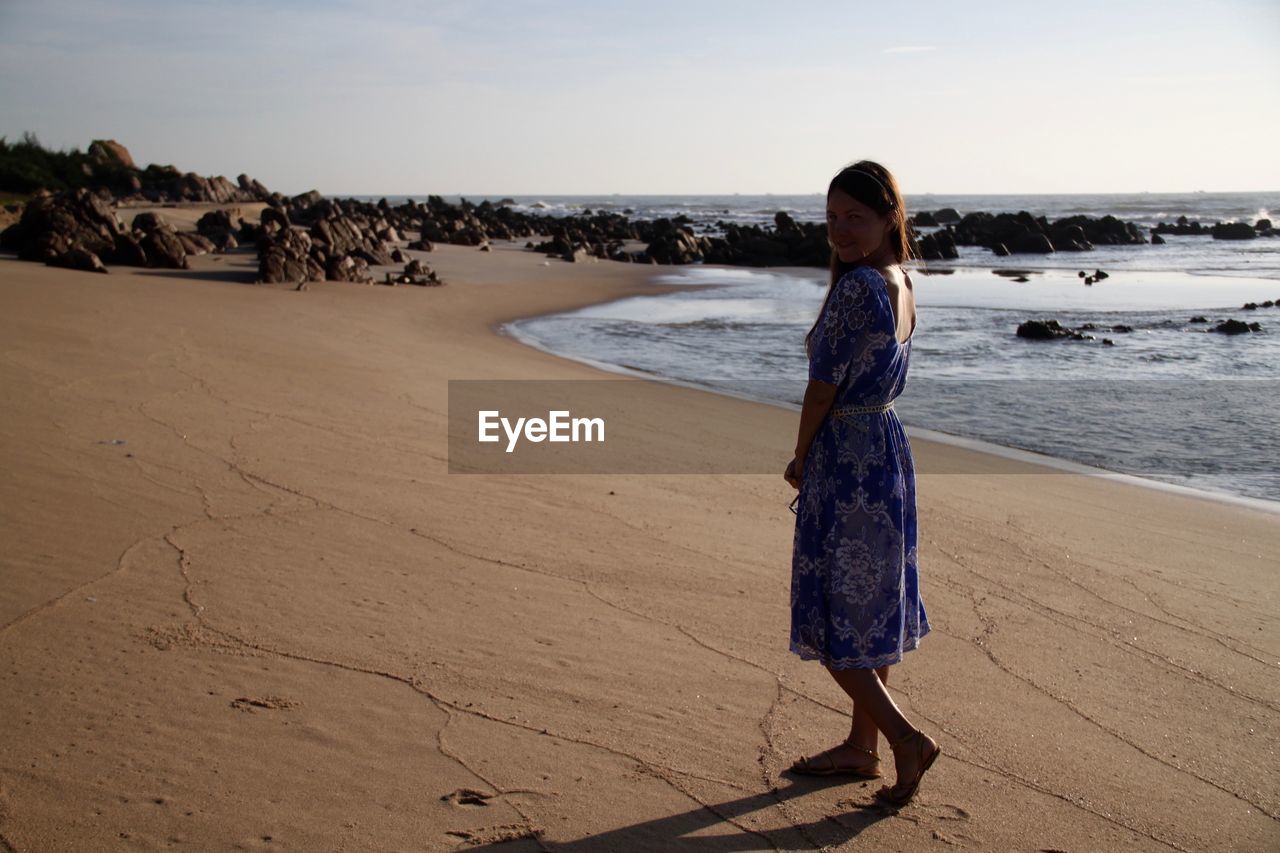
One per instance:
(840,337)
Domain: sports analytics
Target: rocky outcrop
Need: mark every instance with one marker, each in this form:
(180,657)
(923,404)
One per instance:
(79,259)
(675,243)
(53,225)
(1022,233)
(164,248)
(108,151)
(1233,231)
(284,255)
(1236,327)
(788,243)
(1183,227)
(66,229)
(216,226)
(1048,330)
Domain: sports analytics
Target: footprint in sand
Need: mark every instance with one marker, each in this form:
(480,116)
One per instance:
(271,703)
(467,797)
(495,834)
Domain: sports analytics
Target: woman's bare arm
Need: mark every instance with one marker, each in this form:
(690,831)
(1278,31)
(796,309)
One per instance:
(818,397)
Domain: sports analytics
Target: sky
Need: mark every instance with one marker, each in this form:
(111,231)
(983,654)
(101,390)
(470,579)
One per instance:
(693,97)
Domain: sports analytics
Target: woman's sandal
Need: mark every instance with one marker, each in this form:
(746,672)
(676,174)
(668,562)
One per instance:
(806,766)
(926,761)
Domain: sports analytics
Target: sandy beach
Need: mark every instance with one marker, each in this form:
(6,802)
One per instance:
(246,606)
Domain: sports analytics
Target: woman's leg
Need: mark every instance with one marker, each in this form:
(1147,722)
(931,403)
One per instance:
(870,696)
(863,732)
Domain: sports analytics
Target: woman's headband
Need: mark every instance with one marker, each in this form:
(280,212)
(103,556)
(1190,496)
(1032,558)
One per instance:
(878,183)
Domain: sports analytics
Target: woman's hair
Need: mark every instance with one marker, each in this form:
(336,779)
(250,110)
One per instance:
(873,185)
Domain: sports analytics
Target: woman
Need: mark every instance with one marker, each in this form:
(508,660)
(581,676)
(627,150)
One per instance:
(855,597)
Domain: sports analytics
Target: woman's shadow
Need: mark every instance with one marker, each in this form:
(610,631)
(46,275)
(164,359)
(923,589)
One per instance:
(678,831)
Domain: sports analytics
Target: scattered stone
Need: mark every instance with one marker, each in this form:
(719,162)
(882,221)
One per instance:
(79,259)
(1236,327)
(1233,231)
(1046,330)
(164,249)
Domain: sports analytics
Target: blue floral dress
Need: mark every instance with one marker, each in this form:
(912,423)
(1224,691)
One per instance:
(855,589)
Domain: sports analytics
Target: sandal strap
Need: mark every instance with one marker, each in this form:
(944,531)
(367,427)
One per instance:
(863,750)
(905,739)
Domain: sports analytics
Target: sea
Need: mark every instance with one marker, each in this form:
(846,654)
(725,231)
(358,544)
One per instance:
(1168,402)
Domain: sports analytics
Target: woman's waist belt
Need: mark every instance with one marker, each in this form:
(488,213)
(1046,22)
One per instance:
(875,408)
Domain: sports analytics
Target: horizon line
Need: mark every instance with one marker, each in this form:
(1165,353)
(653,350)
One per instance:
(733,194)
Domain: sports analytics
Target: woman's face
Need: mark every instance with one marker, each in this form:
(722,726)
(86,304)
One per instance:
(856,231)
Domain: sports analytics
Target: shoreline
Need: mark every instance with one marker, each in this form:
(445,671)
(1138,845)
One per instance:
(372,653)
(509,329)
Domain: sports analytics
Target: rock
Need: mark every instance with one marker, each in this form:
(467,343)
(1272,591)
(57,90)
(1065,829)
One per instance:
(468,236)
(78,259)
(924,219)
(1121,328)
(272,216)
(215,222)
(164,249)
(1249,306)
(1099,275)
(348,268)
(1157,240)
(148,221)
(1197,319)
(376,254)
(946,216)
(1236,327)
(52,225)
(285,256)
(108,151)
(195,244)
(128,251)
(1046,330)
(783,223)
(252,189)
(1233,231)
(938,246)
(416,267)
(1031,243)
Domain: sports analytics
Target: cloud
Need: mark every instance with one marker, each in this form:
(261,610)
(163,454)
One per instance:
(920,49)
